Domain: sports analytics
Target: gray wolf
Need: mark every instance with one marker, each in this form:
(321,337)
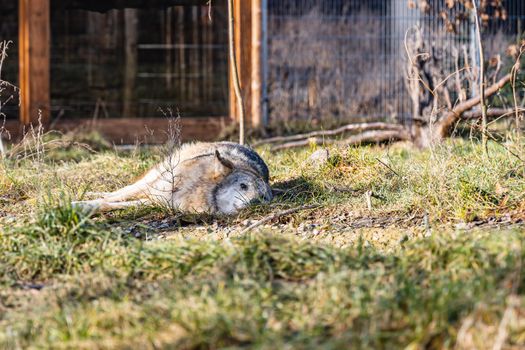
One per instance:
(215,178)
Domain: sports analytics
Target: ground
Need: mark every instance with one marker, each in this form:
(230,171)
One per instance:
(433,260)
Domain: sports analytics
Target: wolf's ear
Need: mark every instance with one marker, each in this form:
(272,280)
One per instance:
(222,165)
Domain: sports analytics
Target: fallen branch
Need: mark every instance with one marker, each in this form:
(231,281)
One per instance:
(444,124)
(276,216)
(359,127)
(492,113)
(367,136)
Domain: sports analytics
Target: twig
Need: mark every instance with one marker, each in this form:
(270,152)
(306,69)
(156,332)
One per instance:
(360,127)
(368,198)
(461,338)
(459,90)
(233,62)
(502,334)
(507,149)
(276,216)
(208,3)
(426,223)
(388,167)
(514,73)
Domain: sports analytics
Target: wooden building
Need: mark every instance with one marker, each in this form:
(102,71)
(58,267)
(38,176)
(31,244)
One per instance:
(121,66)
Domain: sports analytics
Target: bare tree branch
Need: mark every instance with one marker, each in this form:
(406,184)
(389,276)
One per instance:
(514,74)
(492,113)
(445,123)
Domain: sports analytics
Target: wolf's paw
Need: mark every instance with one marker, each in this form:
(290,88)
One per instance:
(86,206)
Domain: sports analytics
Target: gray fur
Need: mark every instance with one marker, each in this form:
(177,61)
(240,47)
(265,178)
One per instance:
(244,155)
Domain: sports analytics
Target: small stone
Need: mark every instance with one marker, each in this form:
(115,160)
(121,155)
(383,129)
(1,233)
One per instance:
(462,226)
(9,219)
(319,157)
(312,227)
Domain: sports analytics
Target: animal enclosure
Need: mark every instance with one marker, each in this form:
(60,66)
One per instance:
(322,61)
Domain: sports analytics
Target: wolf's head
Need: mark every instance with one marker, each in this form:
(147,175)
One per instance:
(241,187)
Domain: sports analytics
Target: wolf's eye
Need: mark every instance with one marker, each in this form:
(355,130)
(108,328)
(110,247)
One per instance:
(244,187)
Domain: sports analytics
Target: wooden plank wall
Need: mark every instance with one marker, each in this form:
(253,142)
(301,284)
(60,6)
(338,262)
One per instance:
(132,130)
(34,41)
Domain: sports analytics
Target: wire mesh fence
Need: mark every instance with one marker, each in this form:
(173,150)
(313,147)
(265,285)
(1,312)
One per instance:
(9,69)
(347,59)
(131,62)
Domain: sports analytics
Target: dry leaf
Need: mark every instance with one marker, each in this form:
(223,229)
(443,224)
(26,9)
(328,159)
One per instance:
(500,190)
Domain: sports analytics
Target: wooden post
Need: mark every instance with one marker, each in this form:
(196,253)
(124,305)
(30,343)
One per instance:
(233,104)
(256,72)
(243,39)
(264,62)
(34,40)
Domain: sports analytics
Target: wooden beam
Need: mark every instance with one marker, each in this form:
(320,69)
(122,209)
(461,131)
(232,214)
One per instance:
(131,130)
(34,41)
(106,5)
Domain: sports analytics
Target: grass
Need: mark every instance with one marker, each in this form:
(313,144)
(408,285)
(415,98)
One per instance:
(435,263)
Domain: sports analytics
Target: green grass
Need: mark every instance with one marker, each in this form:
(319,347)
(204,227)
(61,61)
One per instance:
(401,275)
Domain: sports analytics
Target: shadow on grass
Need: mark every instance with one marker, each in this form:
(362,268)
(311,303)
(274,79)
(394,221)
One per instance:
(149,221)
(300,190)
